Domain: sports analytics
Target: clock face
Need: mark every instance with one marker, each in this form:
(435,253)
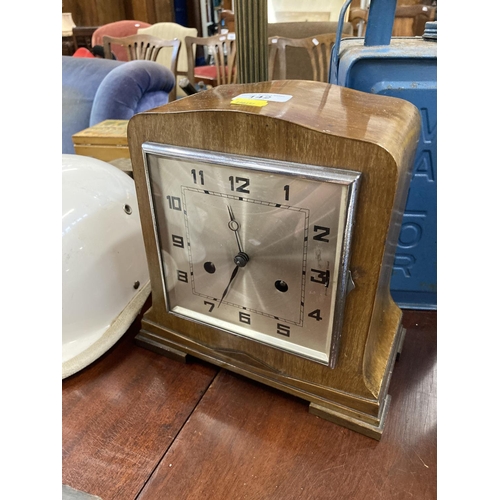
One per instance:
(256,248)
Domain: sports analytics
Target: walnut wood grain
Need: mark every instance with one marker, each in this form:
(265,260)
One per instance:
(246,440)
(325,125)
(121,413)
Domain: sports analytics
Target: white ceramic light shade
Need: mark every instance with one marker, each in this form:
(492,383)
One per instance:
(105,279)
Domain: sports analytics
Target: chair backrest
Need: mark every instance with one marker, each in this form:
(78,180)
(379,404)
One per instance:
(409,20)
(169,31)
(226,21)
(318,47)
(222,52)
(297,59)
(118,29)
(147,48)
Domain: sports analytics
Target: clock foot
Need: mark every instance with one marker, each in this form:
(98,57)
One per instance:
(144,341)
(372,430)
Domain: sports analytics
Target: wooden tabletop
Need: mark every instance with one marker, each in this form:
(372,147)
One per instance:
(137,425)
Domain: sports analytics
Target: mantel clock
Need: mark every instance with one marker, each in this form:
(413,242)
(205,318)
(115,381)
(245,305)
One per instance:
(270,215)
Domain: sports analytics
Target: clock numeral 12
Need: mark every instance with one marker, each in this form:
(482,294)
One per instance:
(238,180)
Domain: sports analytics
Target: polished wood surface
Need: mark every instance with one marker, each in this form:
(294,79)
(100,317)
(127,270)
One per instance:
(324,125)
(137,425)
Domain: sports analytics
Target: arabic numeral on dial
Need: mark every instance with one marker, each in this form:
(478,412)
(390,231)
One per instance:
(210,305)
(287,192)
(283,330)
(244,318)
(200,175)
(316,314)
(177,241)
(323,277)
(239,180)
(174,202)
(182,276)
(325,231)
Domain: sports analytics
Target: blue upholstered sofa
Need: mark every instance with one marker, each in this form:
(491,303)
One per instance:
(96,89)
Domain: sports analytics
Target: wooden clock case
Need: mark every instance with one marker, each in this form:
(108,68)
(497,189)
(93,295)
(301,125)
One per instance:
(322,124)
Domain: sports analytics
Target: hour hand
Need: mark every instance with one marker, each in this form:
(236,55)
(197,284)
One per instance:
(234,226)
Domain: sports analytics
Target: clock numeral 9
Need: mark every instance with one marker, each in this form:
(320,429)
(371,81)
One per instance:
(182,276)
(238,180)
(323,277)
(177,241)
(174,203)
(283,330)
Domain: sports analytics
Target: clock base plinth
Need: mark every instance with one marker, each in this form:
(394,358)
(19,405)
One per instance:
(146,342)
(372,430)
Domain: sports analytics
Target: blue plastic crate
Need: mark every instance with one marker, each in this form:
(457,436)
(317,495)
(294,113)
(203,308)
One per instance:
(405,68)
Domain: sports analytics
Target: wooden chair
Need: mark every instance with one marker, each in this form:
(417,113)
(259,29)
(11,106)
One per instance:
(169,31)
(221,49)
(226,21)
(409,20)
(147,48)
(318,48)
(82,36)
(118,29)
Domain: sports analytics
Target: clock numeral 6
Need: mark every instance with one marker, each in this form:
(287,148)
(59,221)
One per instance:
(239,180)
(283,330)
(244,318)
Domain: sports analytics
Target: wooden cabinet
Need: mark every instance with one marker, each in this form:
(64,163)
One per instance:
(99,12)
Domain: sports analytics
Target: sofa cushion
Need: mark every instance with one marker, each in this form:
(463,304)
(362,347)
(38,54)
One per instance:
(81,77)
(97,89)
(131,88)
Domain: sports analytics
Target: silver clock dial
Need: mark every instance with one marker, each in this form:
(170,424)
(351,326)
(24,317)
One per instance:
(256,248)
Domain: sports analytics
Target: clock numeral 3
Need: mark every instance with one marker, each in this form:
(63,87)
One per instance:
(244,318)
(323,277)
(238,180)
(283,330)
